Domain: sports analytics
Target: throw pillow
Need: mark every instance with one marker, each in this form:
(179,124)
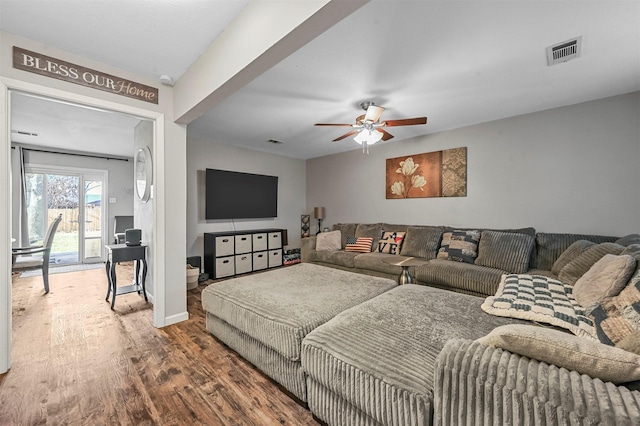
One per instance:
(574,250)
(564,350)
(606,278)
(330,241)
(506,251)
(421,241)
(390,242)
(573,270)
(618,317)
(360,245)
(541,299)
(461,246)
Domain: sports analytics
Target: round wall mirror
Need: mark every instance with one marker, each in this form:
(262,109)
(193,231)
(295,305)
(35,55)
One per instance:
(144,173)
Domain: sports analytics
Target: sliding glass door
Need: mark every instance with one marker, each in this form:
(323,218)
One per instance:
(79,197)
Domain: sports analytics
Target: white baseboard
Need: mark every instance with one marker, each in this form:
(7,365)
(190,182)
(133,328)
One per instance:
(174,319)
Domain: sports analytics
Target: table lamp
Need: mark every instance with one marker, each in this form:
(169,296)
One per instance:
(318,213)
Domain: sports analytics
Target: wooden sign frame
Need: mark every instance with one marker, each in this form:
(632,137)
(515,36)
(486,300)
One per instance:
(66,71)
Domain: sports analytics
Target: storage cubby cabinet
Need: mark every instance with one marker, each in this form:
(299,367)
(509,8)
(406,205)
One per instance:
(234,253)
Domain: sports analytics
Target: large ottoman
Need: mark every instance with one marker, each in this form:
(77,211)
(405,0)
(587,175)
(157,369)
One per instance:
(374,364)
(265,316)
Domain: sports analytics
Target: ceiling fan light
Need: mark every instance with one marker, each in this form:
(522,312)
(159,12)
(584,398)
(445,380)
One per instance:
(374,137)
(362,136)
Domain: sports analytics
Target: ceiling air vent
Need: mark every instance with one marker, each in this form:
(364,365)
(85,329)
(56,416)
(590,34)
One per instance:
(565,51)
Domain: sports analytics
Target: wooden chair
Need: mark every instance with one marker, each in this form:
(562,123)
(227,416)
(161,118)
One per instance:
(121,224)
(23,258)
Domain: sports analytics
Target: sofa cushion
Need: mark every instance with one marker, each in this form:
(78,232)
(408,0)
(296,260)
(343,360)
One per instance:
(629,239)
(460,246)
(421,241)
(392,227)
(474,279)
(541,299)
(579,266)
(506,251)
(606,278)
(329,241)
(390,242)
(338,258)
(550,246)
(618,317)
(371,230)
(346,230)
(570,254)
(375,262)
(574,353)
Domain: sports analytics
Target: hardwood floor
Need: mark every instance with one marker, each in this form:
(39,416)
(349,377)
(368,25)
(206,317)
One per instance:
(75,361)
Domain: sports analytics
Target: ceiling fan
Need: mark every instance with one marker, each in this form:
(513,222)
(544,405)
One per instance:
(368,127)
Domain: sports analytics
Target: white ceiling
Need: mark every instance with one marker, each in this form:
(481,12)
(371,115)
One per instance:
(458,63)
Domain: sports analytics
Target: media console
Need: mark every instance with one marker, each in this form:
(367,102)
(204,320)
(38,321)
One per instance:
(238,252)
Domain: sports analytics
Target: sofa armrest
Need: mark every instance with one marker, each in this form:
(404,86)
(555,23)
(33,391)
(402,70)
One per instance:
(476,384)
(308,244)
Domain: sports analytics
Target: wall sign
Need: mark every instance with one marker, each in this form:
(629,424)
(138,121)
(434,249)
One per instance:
(66,71)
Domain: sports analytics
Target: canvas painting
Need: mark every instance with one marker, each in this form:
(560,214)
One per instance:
(432,174)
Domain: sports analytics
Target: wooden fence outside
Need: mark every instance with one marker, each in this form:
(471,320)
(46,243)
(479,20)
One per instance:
(70,219)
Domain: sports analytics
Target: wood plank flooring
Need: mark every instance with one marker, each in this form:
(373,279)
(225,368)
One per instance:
(77,362)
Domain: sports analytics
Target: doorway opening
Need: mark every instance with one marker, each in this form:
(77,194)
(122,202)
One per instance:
(8,89)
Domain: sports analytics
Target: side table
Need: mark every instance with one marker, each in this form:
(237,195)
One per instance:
(123,253)
(405,263)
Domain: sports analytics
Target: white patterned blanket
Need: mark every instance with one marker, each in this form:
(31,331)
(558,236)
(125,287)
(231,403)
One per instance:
(542,299)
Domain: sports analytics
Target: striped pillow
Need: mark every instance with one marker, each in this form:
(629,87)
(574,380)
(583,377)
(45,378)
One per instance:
(360,245)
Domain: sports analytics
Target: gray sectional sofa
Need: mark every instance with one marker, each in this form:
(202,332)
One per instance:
(426,353)
(410,356)
(536,251)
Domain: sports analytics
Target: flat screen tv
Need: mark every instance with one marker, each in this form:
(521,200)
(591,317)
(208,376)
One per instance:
(236,195)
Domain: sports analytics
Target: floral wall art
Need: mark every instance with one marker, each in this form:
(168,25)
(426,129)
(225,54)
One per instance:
(432,174)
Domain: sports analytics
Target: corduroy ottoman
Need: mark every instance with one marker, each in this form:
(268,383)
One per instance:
(265,316)
(374,364)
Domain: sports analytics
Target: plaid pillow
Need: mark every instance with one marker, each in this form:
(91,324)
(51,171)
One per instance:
(360,245)
(618,317)
(461,246)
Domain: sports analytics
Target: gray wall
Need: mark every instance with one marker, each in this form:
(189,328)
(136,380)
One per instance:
(573,169)
(120,185)
(202,154)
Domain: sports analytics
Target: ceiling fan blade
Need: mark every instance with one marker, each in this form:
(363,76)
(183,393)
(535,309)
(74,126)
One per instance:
(333,124)
(385,135)
(346,135)
(406,122)
(373,113)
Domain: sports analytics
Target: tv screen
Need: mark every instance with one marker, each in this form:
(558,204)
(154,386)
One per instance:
(235,195)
